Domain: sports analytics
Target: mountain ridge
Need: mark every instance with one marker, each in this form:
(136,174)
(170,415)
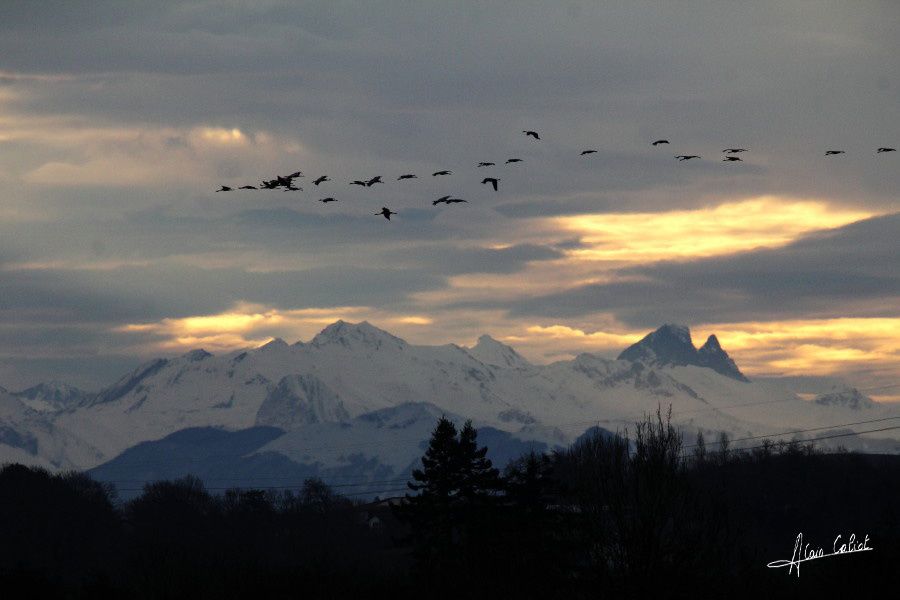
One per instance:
(351,370)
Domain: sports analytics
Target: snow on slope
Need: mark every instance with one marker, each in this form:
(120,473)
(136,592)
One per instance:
(30,437)
(52,396)
(351,370)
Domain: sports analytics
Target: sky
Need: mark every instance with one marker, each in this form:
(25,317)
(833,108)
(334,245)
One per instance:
(119,121)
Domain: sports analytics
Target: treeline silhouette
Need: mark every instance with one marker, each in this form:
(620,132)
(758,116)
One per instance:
(626,515)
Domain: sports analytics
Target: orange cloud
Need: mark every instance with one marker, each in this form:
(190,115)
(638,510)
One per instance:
(248,325)
(723,229)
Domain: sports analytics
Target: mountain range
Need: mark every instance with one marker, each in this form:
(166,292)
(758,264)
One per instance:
(358,403)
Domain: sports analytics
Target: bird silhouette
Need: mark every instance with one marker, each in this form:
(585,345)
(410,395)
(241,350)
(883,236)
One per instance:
(833,152)
(358,182)
(658,142)
(439,200)
(271,184)
(486,164)
(455,200)
(732,159)
(224,188)
(491,180)
(248,187)
(407,176)
(513,160)
(293,188)
(684,157)
(533,134)
(374,180)
(583,152)
(326,200)
(321,179)
(295,174)
(883,150)
(436,173)
(734,150)
(386,213)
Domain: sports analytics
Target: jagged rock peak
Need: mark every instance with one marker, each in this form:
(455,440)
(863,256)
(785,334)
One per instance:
(492,352)
(671,345)
(356,334)
(712,345)
(712,355)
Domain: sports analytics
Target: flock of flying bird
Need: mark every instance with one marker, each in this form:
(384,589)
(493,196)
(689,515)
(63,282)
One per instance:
(287,181)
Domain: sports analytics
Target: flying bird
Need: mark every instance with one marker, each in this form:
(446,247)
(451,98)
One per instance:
(485,164)
(684,157)
(439,200)
(658,142)
(436,173)
(533,134)
(583,152)
(407,176)
(248,187)
(883,150)
(224,188)
(374,180)
(513,160)
(295,174)
(386,213)
(455,200)
(293,188)
(326,200)
(491,180)
(833,152)
(732,159)
(321,179)
(271,184)
(358,182)
(734,150)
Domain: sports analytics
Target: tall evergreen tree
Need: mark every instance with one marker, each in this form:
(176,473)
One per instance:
(438,480)
(456,485)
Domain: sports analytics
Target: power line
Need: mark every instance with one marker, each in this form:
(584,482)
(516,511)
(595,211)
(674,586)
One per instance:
(829,437)
(818,439)
(760,437)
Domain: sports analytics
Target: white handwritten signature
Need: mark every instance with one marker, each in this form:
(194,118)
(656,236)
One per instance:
(803,553)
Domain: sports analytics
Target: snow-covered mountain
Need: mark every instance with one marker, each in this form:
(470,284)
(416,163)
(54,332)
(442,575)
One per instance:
(343,399)
(52,396)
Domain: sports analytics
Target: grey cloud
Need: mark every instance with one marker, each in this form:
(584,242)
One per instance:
(452,260)
(150,293)
(386,88)
(825,275)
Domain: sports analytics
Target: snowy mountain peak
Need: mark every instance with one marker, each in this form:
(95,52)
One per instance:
(196,355)
(848,397)
(276,344)
(671,345)
(491,352)
(51,396)
(355,335)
